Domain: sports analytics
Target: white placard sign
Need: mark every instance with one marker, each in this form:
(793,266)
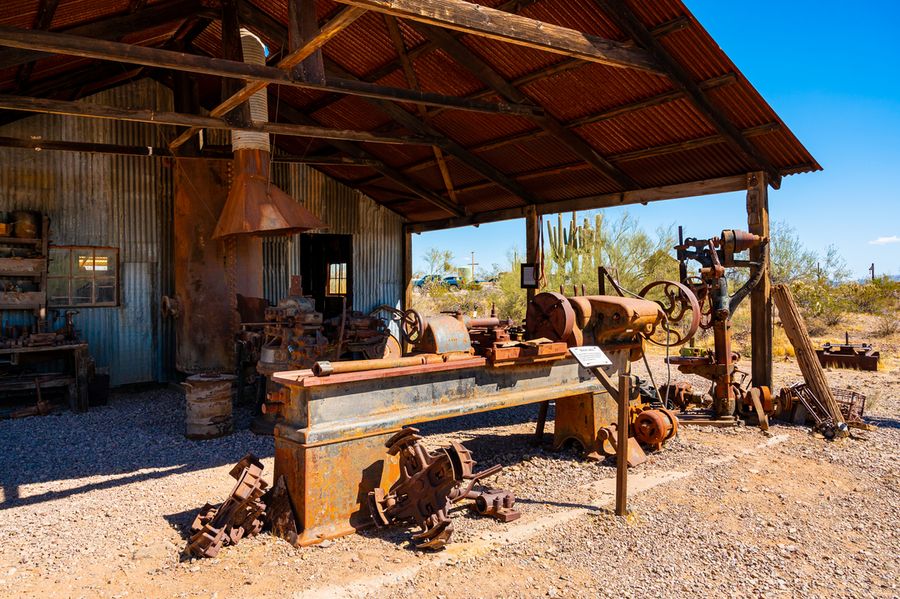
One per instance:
(590,356)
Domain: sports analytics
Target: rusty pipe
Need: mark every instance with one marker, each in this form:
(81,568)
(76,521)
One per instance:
(325,368)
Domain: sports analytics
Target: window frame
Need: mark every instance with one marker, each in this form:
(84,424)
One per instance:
(72,276)
(345,271)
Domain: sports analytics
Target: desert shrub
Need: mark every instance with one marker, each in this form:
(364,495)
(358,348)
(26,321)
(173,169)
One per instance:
(887,325)
(873,297)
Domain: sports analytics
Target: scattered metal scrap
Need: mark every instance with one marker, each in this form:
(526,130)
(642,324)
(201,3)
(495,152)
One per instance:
(849,355)
(242,514)
(430,482)
(801,404)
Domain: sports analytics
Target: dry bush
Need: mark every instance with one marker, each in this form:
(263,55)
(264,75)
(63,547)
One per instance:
(887,325)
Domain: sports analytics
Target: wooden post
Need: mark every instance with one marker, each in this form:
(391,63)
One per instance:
(761,296)
(532,244)
(795,329)
(406,274)
(622,445)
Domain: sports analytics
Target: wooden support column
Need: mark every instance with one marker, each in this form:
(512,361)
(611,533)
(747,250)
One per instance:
(406,281)
(761,296)
(532,243)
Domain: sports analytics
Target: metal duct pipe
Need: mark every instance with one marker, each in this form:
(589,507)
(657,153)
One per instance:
(254,53)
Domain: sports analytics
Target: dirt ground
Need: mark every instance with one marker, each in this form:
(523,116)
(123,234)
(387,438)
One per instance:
(97,505)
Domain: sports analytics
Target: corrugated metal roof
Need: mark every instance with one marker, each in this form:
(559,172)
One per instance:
(570,95)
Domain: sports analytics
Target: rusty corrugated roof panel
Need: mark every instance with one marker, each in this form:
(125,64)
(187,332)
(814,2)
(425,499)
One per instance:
(642,143)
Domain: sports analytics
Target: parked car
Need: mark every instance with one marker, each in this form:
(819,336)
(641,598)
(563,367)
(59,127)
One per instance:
(427,279)
(453,282)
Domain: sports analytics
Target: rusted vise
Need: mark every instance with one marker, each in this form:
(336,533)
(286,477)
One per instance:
(430,482)
(241,515)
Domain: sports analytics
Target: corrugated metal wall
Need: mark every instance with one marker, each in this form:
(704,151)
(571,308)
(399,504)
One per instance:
(377,237)
(124,202)
(127,202)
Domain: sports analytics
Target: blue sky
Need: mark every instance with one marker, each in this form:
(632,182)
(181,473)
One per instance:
(832,72)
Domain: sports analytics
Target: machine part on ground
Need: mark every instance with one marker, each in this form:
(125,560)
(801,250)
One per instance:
(849,355)
(799,403)
(242,514)
(208,406)
(655,427)
(682,396)
(677,301)
(496,503)
(801,394)
(797,334)
(609,444)
(430,482)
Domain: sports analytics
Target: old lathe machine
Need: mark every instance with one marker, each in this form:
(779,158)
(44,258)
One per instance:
(336,418)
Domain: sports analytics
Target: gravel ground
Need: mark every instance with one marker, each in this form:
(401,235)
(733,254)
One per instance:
(96,504)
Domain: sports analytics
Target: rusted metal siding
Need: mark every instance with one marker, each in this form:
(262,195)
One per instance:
(377,237)
(118,201)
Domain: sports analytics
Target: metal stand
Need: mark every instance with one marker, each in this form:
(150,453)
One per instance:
(622,448)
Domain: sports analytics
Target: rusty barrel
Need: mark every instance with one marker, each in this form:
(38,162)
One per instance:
(208,406)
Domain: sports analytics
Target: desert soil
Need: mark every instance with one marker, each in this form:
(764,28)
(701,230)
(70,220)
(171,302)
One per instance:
(98,505)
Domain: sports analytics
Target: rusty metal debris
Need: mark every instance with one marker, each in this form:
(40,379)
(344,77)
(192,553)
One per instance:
(241,515)
(860,356)
(430,482)
(655,427)
(799,403)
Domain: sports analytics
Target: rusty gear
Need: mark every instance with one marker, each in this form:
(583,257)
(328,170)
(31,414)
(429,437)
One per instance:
(242,514)
(430,482)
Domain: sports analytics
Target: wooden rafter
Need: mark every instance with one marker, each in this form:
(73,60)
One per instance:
(612,113)
(413,82)
(293,115)
(641,196)
(114,28)
(302,29)
(477,164)
(482,21)
(84,109)
(262,74)
(628,22)
(43,20)
(562,66)
(681,146)
(483,71)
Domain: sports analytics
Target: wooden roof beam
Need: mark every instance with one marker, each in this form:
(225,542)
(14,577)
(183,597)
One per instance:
(656,100)
(98,111)
(59,43)
(115,27)
(43,20)
(508,27)
(628,22)
(397,37)
(639,196)
(483,71)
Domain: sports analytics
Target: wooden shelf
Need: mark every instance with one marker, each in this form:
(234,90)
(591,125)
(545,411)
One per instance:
(20,241)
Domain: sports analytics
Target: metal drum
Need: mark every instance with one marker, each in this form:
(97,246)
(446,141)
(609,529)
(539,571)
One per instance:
(208,406)
(25,224)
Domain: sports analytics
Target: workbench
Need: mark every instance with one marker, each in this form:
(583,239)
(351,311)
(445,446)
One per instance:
(77,358)
(330,442)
